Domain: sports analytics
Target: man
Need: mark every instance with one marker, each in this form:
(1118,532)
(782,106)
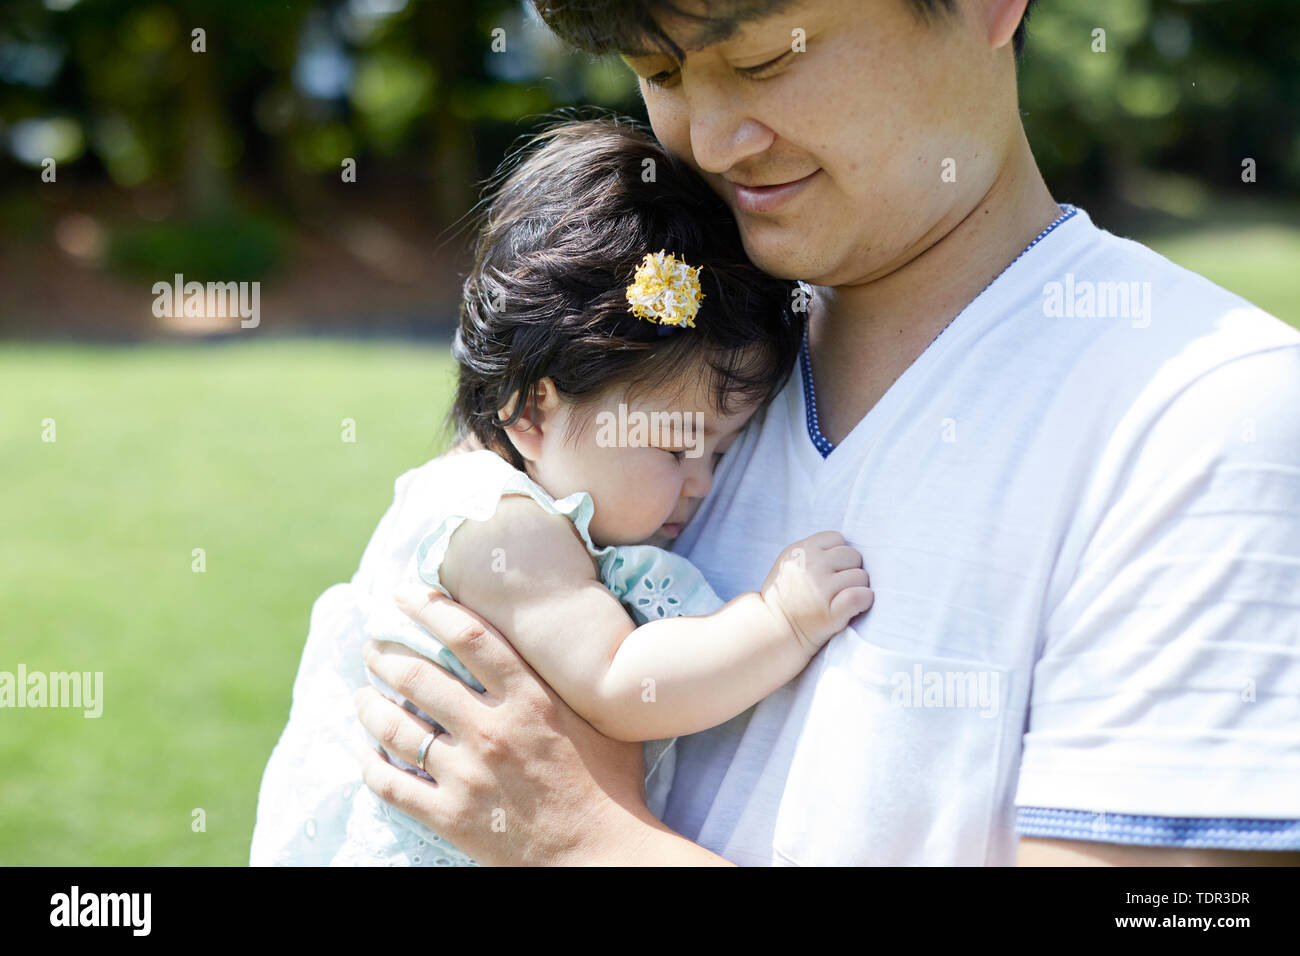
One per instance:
(1072,468)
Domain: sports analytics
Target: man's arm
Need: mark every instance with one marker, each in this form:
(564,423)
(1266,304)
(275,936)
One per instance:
(1166,692)
(1035,851)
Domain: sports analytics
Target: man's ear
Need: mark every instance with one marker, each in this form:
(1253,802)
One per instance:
(1002,18)
(537,419)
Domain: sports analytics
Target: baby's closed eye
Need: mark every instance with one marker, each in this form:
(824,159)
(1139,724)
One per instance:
(681,454)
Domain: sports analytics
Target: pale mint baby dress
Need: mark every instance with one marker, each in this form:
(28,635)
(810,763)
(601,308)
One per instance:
(312,811)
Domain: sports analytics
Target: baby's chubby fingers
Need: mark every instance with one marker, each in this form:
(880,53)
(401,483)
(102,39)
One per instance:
(852,595)
(826,542)
(844,558)
(819,584)
(851,602)
(823,541)
(824,551)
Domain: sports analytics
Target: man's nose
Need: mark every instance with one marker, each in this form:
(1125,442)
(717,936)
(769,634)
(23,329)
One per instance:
(722,132)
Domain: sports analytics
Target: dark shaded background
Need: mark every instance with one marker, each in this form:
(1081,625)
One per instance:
(226,164)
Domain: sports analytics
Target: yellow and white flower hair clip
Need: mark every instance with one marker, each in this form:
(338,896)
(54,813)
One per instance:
(665,290)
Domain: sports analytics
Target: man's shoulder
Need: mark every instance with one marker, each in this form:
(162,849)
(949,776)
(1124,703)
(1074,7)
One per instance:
(1171,301)
(1116,319)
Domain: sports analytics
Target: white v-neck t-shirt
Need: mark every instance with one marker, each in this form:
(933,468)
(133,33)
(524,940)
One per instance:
(1080,511)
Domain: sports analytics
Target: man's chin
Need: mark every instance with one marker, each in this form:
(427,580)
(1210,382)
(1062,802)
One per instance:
(778,251)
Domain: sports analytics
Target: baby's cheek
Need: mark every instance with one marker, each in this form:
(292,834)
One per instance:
(662,483)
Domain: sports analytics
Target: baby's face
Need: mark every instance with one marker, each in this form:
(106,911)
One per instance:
(647,464)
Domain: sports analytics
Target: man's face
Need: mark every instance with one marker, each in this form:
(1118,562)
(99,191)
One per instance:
(833,158)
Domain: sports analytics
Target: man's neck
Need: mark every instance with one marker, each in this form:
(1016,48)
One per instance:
(863,337)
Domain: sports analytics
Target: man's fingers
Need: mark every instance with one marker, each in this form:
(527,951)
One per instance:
(480,648)
(413,795)
(441,695)
(398,731)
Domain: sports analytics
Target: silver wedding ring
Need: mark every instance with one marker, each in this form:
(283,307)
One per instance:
(424,749)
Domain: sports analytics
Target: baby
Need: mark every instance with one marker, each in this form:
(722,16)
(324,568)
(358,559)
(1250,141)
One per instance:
(614,340)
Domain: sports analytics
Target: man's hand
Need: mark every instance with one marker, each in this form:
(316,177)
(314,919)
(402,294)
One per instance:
(520,778)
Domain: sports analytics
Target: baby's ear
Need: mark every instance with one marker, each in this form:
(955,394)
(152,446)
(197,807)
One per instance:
(526,433)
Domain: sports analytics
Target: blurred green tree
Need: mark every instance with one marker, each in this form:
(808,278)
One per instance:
(431,92)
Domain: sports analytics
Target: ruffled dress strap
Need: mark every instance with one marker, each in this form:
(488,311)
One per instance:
(476,483)
(651,582)
(485,479)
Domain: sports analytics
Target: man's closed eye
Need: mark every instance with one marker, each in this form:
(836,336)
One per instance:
(761,71)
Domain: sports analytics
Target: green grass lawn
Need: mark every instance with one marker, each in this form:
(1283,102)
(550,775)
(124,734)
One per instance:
(235,449)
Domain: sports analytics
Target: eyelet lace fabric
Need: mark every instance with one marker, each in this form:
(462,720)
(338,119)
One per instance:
(655,599)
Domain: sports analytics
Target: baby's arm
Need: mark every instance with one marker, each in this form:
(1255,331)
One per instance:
(707,669)
(547,598)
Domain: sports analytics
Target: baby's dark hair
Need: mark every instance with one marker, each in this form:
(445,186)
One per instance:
(546,297)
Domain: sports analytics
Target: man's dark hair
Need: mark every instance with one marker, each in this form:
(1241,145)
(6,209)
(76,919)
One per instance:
(573,214)
(629,26)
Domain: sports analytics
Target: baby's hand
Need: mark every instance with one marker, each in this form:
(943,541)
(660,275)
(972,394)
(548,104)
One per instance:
(816,586)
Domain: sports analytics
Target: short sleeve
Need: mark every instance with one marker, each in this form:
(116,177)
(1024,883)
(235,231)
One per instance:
(1168,682)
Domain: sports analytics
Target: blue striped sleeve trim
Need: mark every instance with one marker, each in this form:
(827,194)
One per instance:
(1187,832)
